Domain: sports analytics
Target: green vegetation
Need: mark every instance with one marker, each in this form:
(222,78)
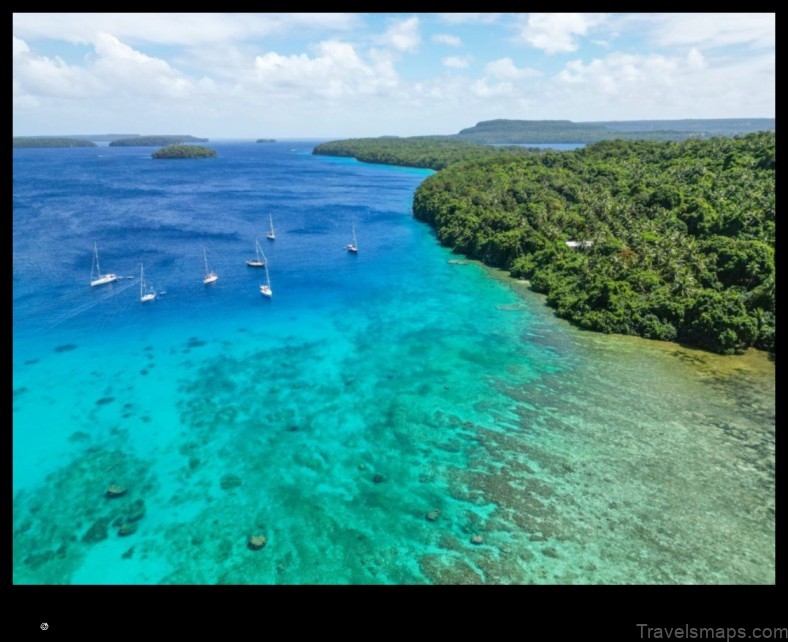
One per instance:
(50,141)
(266,140)
(184,151)
(682,234)
(155,141)
(565,131)
(432,152)
(103,138)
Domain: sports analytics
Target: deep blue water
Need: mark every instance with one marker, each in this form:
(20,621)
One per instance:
(577,457)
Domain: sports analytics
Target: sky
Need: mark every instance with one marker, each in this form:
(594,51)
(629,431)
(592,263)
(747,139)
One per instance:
(337,75)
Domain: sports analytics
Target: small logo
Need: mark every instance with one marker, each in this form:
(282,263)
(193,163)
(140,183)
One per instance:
(44,626)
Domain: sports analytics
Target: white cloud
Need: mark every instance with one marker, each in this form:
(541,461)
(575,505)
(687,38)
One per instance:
(695,59)
(505,69)
(447,39)
(464,18)
(336,70)
(214,78)
(175,28)
(714,29)
(132,72)
(457,62)
(557,32)
(611,74)
(115,69)
(403,35)
(41,76)
(635,86)
(20,46)
(482,89)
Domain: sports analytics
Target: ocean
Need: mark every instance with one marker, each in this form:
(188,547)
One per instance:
(399,416)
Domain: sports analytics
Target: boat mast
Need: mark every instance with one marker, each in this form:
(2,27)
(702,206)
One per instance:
(95,251)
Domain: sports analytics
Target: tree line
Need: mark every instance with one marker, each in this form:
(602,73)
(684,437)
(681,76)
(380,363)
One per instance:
(679,236)
(431,152)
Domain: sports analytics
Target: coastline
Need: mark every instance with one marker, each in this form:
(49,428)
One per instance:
(523,282)
(752,359)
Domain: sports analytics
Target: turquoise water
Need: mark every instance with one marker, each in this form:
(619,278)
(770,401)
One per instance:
(577,457)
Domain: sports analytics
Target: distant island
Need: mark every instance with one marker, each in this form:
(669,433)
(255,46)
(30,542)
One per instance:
(431,152)
(266,140)
(50,141)
(100,138)
(156,141)
(491,137)
(502,131)
(184,151)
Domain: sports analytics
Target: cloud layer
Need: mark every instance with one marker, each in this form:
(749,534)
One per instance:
(328,75)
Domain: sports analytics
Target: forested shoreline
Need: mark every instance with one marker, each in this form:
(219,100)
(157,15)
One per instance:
(675,241)
(429,152)
(156,141)
(503,131)
(184,151)
(50,141)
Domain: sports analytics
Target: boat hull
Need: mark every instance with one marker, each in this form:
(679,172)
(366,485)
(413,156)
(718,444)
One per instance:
(107,278)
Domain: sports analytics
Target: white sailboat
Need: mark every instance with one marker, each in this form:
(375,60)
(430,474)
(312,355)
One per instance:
(271,236)
(265,288)
(256,262)
(146,294)
(101,279)
(210,275)
(353,247)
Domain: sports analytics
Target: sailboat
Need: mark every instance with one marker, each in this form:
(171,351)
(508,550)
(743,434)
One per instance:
(101,279)
(145,294)
(353,247)
(256,262)
(210,275)
(265,288)
(271,236)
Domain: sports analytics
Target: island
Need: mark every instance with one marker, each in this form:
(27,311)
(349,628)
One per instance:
(266,140)
(664,240)
(156,141)
(524,132)
(184,151)
(430,152)
(100,138)
(50,141)
(671,241)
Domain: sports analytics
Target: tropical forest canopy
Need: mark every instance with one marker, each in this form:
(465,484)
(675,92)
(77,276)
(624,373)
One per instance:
(184,151)
(154,141)
(503,131)
(432,152)
(681,234)
(50,141)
